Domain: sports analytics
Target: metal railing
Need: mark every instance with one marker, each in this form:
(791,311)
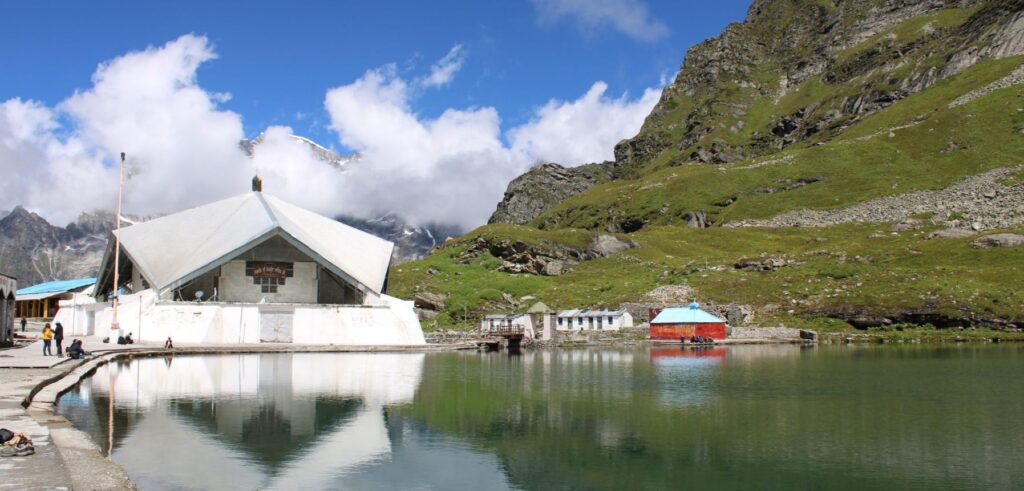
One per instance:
(504,330)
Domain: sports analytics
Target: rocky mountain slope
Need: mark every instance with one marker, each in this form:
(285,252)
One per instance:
(33,250)
(543,186)
(851,146)
(411,242)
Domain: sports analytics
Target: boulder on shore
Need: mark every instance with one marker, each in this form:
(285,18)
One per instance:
(429,301)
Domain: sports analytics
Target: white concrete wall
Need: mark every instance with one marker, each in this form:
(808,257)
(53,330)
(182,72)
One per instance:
(625,320)
(235,286)
(74,320)
(391,323)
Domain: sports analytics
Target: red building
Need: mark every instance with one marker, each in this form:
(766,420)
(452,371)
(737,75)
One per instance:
(677,323)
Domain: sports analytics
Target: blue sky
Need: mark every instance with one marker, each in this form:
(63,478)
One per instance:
(276,59)
(445,101)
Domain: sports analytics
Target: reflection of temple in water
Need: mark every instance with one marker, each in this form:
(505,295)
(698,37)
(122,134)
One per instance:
(281,421)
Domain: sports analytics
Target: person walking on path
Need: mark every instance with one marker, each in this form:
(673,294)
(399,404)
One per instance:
(58,339)
(47,337)
(23,322)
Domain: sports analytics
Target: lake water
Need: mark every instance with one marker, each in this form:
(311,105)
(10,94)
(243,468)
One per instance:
(742,417)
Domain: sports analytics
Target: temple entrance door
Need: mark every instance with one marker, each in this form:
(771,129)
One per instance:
(276,325)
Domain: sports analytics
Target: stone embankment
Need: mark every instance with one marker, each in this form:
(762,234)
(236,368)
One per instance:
(978,202)
(771,333)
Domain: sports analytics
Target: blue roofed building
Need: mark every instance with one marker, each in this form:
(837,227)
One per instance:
(678,323)
(43,300)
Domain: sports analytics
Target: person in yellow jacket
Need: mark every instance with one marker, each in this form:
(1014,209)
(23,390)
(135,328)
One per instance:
(47,337)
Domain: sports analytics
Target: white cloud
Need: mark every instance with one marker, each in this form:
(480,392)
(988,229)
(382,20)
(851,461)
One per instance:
(454,169)
(627,16)
(584,130)
(55,178)
(444,70)
(449,169)
(149,105)
(183,147)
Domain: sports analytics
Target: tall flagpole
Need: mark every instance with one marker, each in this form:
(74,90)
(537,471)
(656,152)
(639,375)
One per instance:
(114,325)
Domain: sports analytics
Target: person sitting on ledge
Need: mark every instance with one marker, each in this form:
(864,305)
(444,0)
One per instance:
(128,339)
(168,344)
(75,351)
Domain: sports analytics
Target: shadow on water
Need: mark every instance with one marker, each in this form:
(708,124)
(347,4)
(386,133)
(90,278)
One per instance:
(745,417)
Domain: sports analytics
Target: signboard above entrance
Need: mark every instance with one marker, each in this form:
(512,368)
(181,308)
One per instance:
(264,269)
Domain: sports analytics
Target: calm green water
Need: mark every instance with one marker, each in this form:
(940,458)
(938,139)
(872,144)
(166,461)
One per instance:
(744,417)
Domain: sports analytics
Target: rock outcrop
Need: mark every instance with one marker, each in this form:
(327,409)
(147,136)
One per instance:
(543,186)
(999,240)
(548,258)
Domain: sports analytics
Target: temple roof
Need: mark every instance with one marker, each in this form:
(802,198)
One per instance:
(171,250)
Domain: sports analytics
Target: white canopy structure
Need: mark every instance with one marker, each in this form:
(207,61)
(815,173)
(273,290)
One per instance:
(170,251)
(248,269)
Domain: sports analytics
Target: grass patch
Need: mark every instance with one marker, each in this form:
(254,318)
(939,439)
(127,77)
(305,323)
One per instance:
(834,267)
(854,169)
(1015,179)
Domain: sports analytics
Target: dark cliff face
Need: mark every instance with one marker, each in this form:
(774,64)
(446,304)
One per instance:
(534,192)
(34,251)
(24,227)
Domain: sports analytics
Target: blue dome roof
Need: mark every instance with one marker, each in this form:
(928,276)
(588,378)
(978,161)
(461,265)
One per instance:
(679,315)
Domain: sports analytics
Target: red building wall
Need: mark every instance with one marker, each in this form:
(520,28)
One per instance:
(674,332)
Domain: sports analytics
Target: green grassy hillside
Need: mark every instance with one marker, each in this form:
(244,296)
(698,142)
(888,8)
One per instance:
(843,152)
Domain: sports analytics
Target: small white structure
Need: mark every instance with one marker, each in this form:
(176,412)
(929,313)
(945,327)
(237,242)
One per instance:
(593,320)
(537,323)
(505,324)
(249,269)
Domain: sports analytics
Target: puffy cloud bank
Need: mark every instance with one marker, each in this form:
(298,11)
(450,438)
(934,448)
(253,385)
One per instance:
(183,145)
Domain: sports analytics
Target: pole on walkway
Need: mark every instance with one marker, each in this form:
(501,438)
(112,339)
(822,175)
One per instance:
(115,327)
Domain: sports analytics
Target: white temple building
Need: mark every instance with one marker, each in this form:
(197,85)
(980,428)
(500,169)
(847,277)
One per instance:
(248,269)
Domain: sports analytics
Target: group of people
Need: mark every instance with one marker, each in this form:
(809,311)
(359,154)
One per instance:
(701,340)
(55,335)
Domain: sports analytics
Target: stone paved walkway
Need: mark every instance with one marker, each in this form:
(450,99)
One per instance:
(59,447)
(45,469)
(31,356)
